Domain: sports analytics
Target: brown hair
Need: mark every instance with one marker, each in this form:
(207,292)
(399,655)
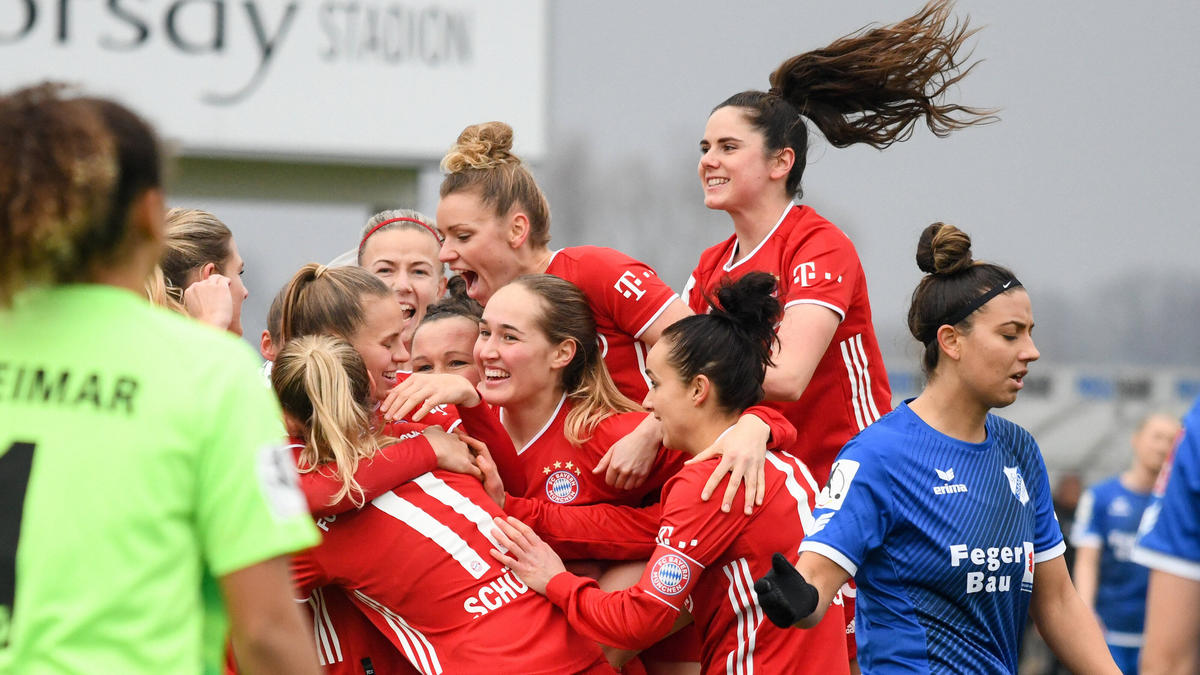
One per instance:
(871,86)
(70,169)
(322,300)
(566,315)
(456,303)
(321,381)
(482,161)
(953,280)
(194,239)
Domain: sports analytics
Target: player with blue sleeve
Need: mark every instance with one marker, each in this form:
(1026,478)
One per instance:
(1106,526)
(1169,544)
(941,511)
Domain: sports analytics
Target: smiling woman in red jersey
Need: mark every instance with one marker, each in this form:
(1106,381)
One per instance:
(704,373)
(495,222)
(414,560)
(869,87)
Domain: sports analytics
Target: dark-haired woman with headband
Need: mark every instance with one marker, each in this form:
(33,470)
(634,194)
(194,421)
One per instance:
(705,371)
(495,221)
(942,511)
(869,87)
(133,512)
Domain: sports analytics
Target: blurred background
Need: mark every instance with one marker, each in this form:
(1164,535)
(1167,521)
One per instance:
(294,120)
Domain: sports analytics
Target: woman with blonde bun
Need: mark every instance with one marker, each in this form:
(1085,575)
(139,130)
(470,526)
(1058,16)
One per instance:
(495,222)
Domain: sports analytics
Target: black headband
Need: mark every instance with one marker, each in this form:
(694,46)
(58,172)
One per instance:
(968,309)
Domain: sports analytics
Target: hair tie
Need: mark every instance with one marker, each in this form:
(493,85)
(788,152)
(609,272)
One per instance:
(954,317)
(398,220)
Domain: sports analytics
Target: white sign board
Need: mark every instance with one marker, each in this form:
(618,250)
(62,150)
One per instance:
(371,80)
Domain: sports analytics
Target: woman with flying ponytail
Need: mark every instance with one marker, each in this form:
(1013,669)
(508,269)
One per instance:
(869,87)
(941,511)
(705,371)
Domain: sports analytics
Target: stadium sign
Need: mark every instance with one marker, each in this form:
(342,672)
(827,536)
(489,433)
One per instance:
(344,79)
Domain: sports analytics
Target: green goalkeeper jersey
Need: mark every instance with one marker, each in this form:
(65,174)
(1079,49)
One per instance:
(141,457)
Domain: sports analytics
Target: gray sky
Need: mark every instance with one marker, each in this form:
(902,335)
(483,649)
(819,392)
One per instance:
(1084,188)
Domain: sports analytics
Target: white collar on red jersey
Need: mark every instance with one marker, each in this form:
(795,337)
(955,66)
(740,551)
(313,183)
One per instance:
(545,426)
(729,264)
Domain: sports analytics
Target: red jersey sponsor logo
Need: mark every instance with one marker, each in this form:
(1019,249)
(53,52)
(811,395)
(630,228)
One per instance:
(670,574)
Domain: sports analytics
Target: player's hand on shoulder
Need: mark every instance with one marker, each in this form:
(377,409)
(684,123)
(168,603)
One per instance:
(628,462)
(531,558)
(743,453)
(492,484)
(452,452)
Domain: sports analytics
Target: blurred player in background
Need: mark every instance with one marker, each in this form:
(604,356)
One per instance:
(1105,529)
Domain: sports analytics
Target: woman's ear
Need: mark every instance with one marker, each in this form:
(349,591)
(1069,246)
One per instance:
(782,163)
(207,270)
(699,390)
(563,353)
(518,229)
(950,342)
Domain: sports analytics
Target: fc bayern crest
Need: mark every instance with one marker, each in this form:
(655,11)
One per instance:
(562,487)
(670,574)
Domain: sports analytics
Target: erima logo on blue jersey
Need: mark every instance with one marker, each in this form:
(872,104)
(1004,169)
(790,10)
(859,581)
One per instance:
(947,476)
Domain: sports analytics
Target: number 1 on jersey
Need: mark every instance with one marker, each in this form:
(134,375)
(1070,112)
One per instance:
(15,466)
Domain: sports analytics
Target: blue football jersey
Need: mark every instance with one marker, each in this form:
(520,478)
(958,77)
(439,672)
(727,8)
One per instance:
(942,537)
(1170,533)
(1107,519)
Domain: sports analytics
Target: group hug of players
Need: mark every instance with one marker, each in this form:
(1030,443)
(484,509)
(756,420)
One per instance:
(562,466)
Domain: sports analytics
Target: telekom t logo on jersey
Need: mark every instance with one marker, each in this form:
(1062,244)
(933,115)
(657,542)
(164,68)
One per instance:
(629,285)
(806,273)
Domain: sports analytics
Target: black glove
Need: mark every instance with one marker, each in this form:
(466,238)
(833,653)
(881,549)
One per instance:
(784,594)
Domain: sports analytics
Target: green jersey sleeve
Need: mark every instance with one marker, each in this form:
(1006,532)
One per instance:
(249,507)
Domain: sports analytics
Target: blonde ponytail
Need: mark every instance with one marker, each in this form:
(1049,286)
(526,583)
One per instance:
(322,382)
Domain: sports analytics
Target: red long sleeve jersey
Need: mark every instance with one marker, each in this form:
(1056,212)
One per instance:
(625,296)
(559,472)
(814,263)
(415,562)
(707,561)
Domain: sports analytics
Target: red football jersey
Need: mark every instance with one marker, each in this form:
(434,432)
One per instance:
(626,296)
(707,561)
(415,562)
(559,472)
(347,643)
(814,263)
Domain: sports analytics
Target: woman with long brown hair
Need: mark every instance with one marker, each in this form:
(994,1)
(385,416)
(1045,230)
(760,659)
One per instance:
(870,87)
